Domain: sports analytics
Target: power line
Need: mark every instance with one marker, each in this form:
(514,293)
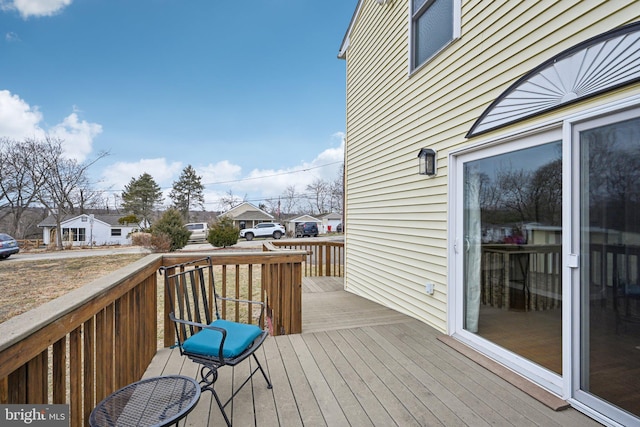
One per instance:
(245,179)
(269,176)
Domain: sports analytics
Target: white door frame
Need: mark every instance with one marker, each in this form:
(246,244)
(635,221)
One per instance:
(572,129)
(549,380)
(567,385)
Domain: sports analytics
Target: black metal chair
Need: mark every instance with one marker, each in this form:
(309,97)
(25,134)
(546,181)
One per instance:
(212,343)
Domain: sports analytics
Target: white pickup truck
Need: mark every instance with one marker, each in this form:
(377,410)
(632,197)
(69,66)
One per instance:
(264,229)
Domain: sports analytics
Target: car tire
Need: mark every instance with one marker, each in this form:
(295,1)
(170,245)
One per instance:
(248,236)
(277,234)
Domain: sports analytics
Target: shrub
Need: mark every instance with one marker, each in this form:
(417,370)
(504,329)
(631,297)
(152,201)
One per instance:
(171,225)
(141,239)
(128,219)
(223,233)
(161,242)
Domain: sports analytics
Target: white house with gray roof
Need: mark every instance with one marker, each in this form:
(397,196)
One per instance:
(88,230)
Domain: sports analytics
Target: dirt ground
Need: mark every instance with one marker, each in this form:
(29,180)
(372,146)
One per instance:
(26,285)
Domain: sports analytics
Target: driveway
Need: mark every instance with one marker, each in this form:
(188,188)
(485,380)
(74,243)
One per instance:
(74,253)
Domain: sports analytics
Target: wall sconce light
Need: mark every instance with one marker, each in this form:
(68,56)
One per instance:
(427,162)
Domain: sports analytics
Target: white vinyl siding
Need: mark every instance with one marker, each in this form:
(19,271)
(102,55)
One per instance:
(396,220)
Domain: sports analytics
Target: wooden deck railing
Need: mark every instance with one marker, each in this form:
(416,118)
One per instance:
(525,277)
(78,348)
(82,346)
(529,277)
(324,258)
(271,277)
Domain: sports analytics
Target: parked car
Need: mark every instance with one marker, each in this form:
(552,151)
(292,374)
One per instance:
(264,229)
(307,229)
(8,246)
(199,230)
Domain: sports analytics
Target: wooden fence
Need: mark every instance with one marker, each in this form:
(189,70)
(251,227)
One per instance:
(30,243)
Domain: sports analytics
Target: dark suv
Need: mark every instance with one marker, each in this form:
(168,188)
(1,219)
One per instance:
(307,229)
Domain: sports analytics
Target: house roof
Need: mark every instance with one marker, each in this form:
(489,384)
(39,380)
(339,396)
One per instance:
(305,218)
(247,211)
(332,215)
(253,216)
(345,41)
(109,219)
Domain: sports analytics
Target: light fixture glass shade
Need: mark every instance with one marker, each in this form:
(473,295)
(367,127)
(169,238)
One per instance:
(427,162)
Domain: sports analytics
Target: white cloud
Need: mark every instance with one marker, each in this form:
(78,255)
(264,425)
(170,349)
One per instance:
(119,174)
(28,8)
(77,135)
(223,177)
(269,183)
(19,120)
(11,37)
(222,171)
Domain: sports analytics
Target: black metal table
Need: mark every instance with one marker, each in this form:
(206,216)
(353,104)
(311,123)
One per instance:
(157,401)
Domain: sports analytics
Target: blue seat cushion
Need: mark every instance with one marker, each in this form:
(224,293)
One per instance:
(207,341)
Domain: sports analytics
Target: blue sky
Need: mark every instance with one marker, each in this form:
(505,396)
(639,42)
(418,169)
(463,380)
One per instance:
(238,90)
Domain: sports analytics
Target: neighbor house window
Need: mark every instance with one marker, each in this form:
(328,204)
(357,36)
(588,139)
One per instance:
(74,234)
(116,232)
(434,24)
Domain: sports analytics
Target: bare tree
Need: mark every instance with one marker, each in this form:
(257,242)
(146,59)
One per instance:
(272,205)
(290,200)
(19,185)
(319,193)
(64,181)
(336,191)
(229,201)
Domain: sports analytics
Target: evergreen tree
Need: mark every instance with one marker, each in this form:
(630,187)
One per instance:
(223,233)
(141,197)
(187,192)
(171,225)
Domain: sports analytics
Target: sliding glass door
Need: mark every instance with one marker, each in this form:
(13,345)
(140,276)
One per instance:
(549,283)
(512,240)
(608,358)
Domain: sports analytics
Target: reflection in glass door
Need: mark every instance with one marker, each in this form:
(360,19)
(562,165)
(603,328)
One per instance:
(512,272)
(610,264)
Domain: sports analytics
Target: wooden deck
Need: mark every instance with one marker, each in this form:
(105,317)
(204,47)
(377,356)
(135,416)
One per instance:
(360,364)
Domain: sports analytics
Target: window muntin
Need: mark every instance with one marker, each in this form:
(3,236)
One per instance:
(433,27)
(74,234)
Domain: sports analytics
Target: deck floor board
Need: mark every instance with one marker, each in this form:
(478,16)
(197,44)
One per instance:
(357,363)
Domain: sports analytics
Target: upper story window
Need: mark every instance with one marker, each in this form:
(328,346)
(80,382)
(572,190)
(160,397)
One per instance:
(434,24)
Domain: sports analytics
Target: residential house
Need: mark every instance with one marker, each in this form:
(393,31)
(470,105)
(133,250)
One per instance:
(247,215)
(291,224)
(330,222)
(88,230)
(524,112)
